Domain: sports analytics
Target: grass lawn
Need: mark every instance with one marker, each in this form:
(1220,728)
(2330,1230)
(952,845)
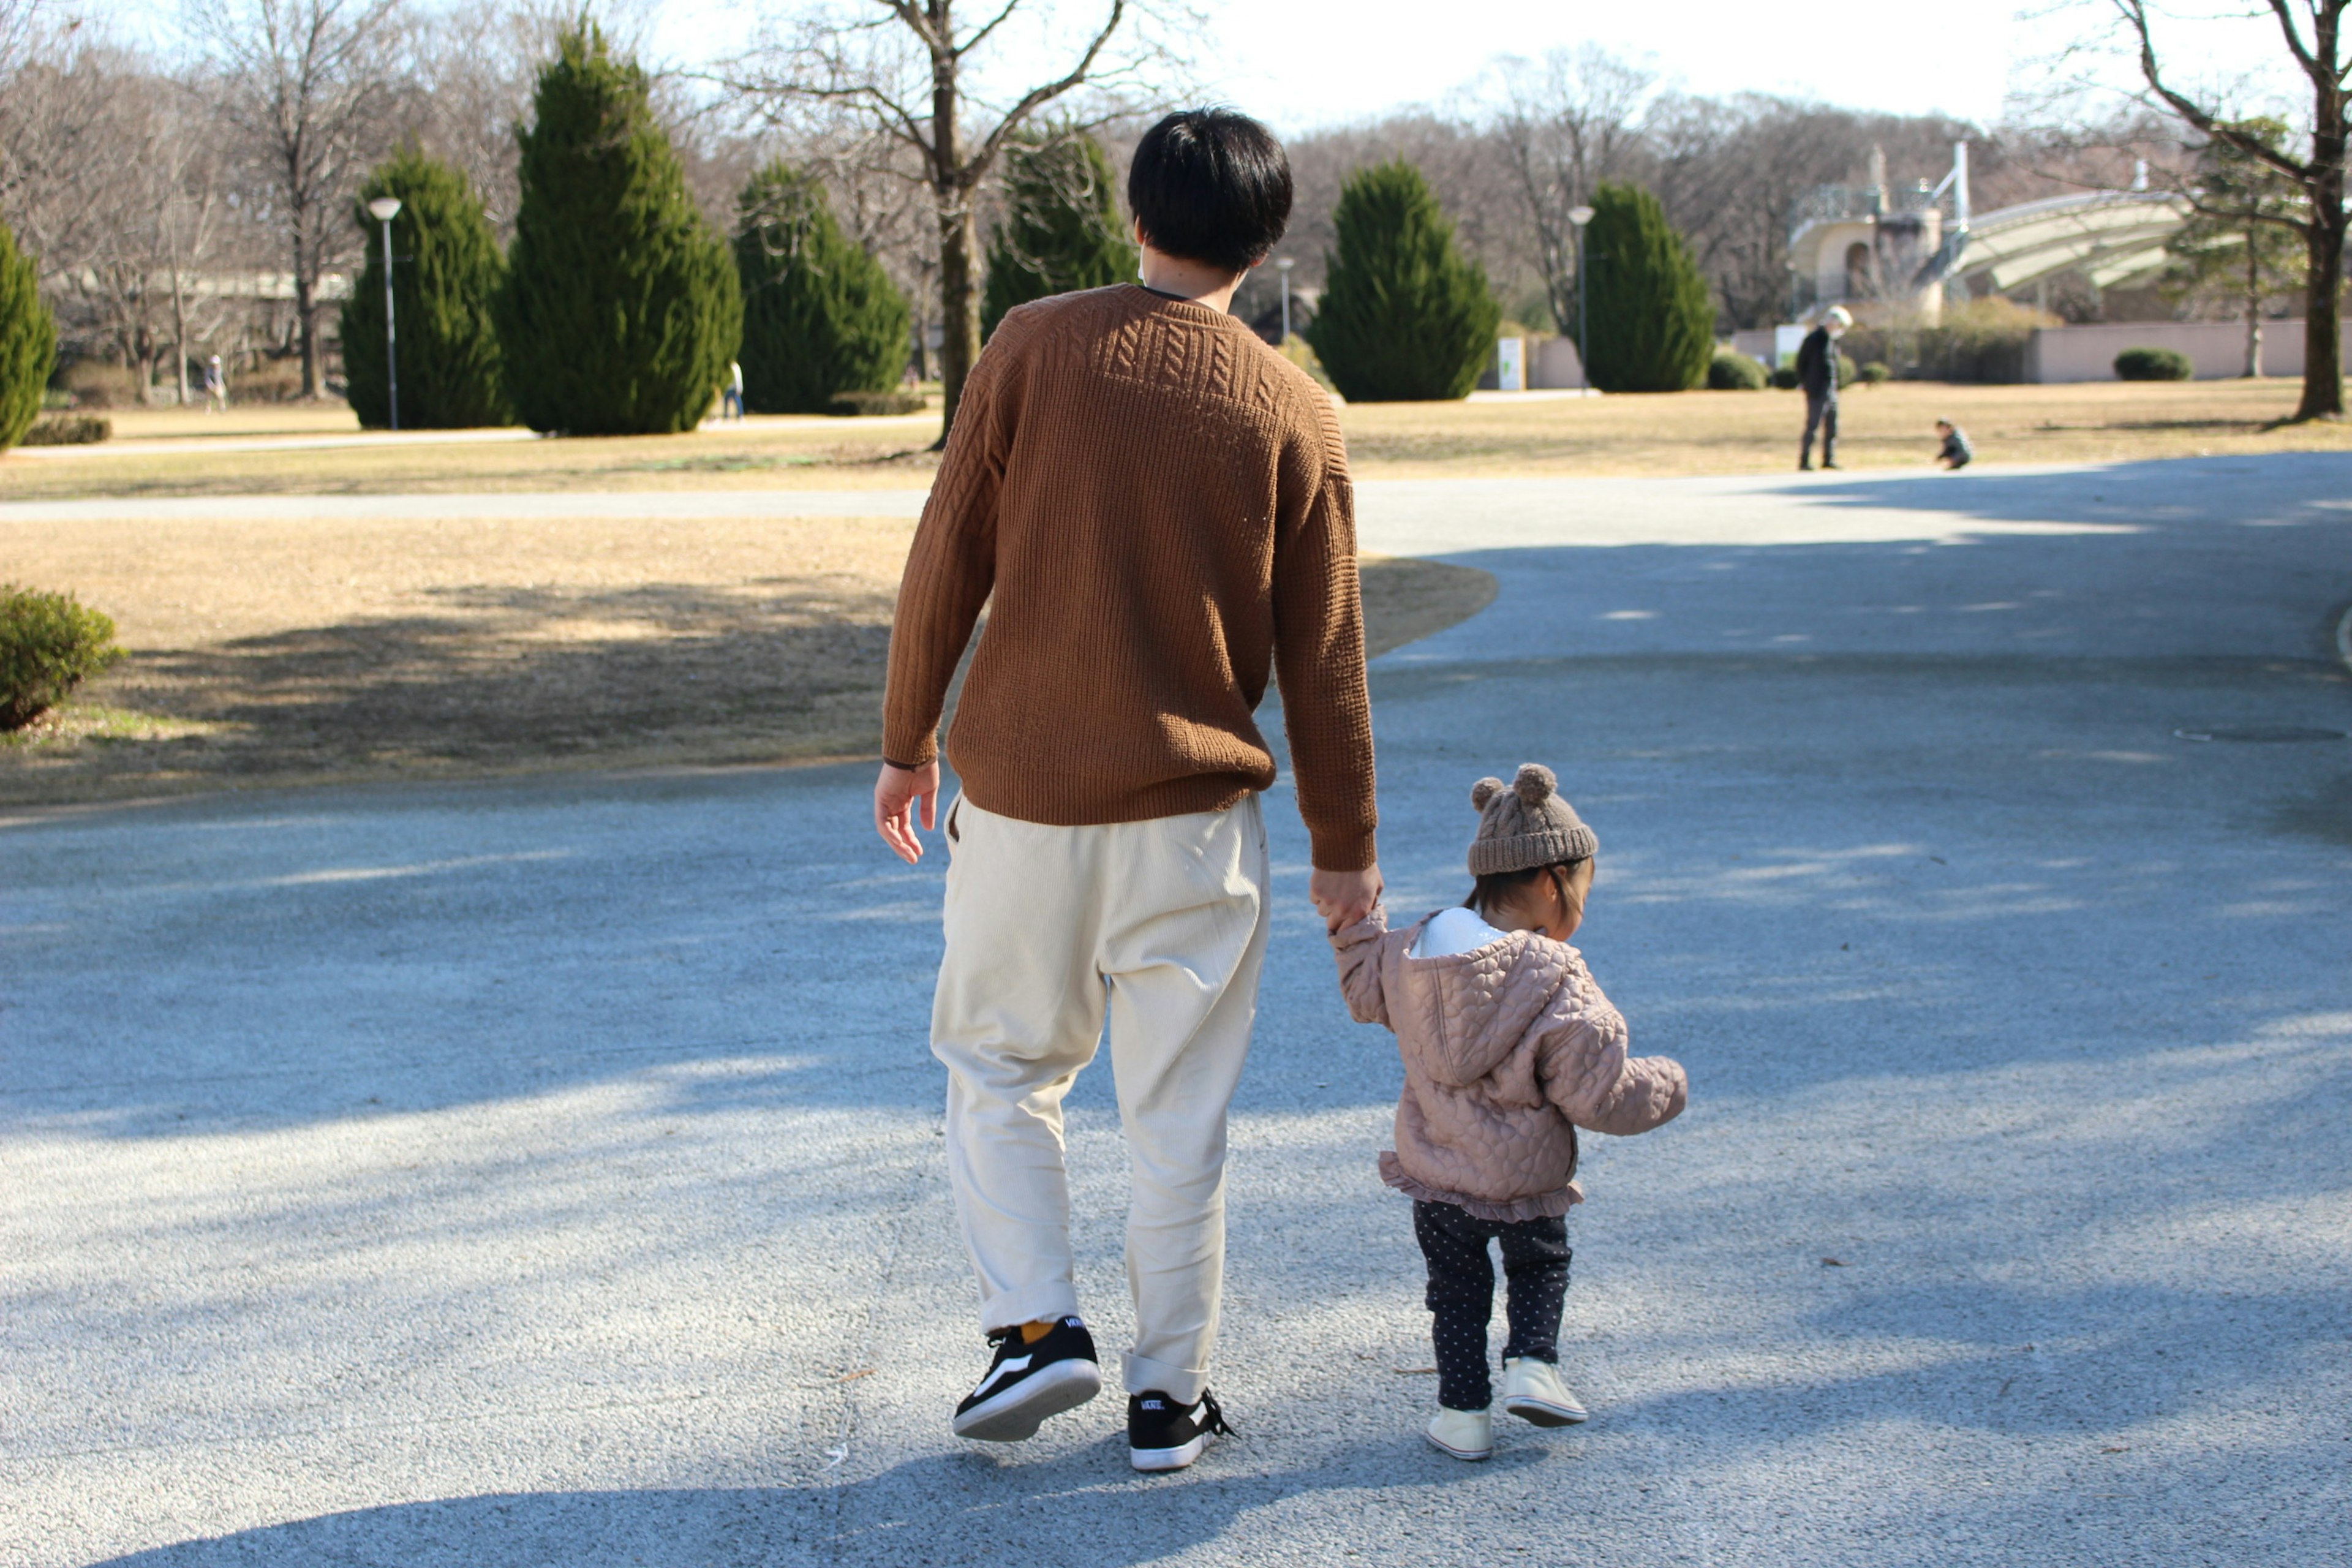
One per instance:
(1676,433)
(312,651)
(309,650)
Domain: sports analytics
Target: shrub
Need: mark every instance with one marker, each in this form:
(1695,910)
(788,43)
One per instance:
(1785,378)
(68,430)
(28,341)
(1406,317)
(819,316)
(850,404)
(447,273)
(1651,321)
(1730,372)
(1061,229)
(1977,340)
(621,308)
(1848,373)
(1875,372)
(49,644)
(2153,364)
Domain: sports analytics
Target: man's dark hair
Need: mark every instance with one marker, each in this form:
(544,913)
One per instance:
(1211,186)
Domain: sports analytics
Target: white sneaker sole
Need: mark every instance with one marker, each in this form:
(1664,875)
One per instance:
(1539,1413)
(1473,1455)
(1015,1415)
(1175,1459)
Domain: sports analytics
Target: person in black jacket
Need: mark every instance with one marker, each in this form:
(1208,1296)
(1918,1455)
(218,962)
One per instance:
(1817,374)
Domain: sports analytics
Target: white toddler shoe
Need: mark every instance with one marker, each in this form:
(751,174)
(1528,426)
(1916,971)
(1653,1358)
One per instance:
(1464,1434)
(1533,1391)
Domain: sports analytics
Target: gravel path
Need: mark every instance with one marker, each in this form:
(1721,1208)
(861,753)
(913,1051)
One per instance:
(548,1172)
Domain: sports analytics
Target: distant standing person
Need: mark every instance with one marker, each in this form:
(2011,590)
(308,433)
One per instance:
(731,402)
(1817,359)
(216,387)
(1957,452)
(1155,504)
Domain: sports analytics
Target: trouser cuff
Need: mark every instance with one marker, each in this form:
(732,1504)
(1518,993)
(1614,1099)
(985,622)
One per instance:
(1029,1304)
(1184,1384)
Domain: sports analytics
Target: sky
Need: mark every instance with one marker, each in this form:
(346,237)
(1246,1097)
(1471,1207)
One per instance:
(1302,64)
(1306,64)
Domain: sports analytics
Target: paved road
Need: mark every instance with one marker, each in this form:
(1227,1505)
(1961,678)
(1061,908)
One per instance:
(547,1174)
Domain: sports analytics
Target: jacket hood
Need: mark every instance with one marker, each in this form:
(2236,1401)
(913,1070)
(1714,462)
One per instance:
(1474,1008)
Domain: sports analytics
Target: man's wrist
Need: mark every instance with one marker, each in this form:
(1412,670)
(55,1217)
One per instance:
(891,761)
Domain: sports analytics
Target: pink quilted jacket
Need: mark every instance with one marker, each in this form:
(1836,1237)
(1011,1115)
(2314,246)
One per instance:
(1508,1049)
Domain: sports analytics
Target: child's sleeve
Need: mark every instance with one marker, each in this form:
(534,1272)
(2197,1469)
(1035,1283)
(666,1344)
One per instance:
(1358,949)
(1588,1074)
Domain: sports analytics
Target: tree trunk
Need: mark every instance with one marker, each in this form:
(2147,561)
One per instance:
(2323,329)
(959,305)
(959,236)
(306,312)
(180,334)
(2253,303)
(2323,333)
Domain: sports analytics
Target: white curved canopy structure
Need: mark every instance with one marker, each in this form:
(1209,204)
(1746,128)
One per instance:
(2111,238)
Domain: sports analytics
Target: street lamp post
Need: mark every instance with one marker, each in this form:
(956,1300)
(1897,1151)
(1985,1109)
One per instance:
(384,209)
(1283,265)
(1580,217)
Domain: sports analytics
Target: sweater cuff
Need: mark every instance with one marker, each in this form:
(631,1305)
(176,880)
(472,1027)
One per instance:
(1344,850)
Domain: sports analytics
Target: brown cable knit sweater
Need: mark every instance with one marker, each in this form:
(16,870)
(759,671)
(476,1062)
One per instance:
(1159,504)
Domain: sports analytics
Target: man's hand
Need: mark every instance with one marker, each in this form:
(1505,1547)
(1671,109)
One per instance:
(1343,897)
(895,794)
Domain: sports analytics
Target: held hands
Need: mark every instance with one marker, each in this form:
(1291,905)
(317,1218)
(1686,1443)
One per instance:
(1343,897)
(895,794)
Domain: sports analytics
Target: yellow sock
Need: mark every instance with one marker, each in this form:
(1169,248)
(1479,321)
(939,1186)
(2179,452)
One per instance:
(1032,1332)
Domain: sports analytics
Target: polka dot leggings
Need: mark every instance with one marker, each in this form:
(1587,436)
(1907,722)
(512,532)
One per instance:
(1462,1293)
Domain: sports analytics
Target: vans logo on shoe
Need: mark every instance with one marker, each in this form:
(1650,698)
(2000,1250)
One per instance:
(1002,1370)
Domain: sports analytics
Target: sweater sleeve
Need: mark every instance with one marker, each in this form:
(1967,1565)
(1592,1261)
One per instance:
(1586,1072)
(1359,949)
(1318,617)
(951,568)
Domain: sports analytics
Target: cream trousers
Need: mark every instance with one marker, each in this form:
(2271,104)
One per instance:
(1162,924)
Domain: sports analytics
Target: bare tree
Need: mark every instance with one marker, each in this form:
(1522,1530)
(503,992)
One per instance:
(2312,34)
(1569,120)
(308,83)
(906,66)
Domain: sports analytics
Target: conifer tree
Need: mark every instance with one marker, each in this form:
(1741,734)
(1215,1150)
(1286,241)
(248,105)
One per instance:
(28,341)
(1405,316)
(1651,321)
(819,316)
(1061,229)
(445,275)
(621,308)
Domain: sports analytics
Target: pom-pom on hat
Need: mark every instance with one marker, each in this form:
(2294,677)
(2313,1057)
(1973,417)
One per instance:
(1525,824)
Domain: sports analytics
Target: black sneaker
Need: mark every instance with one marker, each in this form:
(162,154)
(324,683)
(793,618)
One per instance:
(1163,1434)
(1027,1382)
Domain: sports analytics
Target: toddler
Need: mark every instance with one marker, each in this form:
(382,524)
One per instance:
(1508,1049)
(1956,451)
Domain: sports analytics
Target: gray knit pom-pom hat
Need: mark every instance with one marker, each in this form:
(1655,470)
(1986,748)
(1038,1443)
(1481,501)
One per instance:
(1525,825)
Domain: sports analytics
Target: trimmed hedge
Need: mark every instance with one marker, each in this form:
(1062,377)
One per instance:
(821,319)
(621,310)
(1652,318)
(70,430)
(1406,317)
(1874,372)
(446,273)
(1061,230)
(1730,372)
(28,341)
(854,403)
(49,643)
(2153,364)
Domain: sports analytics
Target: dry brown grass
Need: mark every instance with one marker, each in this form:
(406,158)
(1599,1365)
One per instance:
(311,651)
(1890,426)
(1682,432)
